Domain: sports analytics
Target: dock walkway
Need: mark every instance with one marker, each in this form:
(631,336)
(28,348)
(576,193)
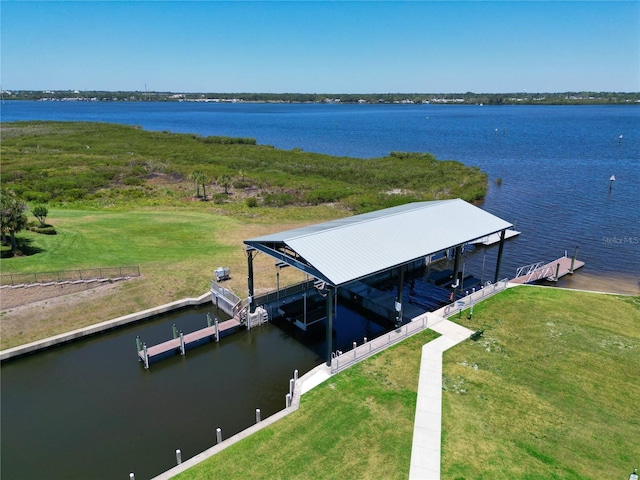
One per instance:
(183,340)
(551,271)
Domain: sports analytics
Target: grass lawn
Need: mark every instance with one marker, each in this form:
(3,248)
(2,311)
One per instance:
(177,250)
(549,392)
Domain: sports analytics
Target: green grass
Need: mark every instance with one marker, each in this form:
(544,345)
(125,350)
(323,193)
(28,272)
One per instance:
(176,248)
(549,392)
(358,424)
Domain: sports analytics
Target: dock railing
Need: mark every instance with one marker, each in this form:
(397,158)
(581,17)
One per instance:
(68,276)
(474,296)
(341,360)
(285,292)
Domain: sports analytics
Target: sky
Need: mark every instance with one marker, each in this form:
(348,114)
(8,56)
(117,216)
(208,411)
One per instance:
(321,47)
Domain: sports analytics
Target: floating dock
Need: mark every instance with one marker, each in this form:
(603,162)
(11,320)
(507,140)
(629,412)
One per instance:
(212,331)
(551,271)
(181,342)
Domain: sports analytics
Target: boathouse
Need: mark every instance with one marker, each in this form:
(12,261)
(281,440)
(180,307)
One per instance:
(344,251)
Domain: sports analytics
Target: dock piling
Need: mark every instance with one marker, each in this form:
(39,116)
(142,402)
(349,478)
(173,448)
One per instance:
(181,343)
(295,375)
(178,456)
(258,415)
(573,259)
(217,331)
(219,435)
(132,476)
(288,400)
(146,356)
(175,331)
(138,346)
(208,319)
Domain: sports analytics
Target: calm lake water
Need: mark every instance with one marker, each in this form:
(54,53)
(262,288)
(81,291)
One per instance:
(88,409)
(554,161)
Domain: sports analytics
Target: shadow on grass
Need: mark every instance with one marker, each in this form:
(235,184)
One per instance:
(25,248)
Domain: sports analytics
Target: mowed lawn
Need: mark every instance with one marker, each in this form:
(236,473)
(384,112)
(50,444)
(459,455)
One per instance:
(177,250)
(549,392)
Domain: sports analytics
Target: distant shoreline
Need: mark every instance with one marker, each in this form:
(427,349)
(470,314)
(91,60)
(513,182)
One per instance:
(469,98)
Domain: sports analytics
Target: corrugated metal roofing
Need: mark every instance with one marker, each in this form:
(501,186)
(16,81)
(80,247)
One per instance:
(354,247)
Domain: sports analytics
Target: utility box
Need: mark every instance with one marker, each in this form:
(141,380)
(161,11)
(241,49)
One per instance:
(221,273)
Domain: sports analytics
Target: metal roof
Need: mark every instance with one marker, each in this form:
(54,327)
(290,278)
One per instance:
(354,247)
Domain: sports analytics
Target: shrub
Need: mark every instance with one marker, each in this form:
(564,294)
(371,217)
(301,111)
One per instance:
(251,202)
(279,199)
(36,197)
(219,198)
(48,230)
(133,181)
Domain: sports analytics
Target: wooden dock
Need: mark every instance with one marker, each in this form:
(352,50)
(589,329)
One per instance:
(183,340)
(551,271)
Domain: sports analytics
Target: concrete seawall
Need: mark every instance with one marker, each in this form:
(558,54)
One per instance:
(101,327)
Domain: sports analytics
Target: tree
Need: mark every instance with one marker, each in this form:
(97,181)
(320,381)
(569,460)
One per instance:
(40,212)
(12,217)
(195,177)
(225,182)
(203,179)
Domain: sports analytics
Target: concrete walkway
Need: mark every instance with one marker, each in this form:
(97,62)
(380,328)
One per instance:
(427,430)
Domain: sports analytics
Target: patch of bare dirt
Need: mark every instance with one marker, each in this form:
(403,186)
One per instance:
(12,298)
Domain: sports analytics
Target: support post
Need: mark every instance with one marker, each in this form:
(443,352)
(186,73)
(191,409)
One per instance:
(399,296)
(217,331)
(329,311)
(146,356)
(209,321)
(138,346)
(503,235)
(181,343)
(573,259)
(456,262)
(250,251)
(175,331)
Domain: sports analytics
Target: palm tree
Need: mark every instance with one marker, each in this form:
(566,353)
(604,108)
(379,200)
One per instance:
(225,182)
(195,177)
(203,179)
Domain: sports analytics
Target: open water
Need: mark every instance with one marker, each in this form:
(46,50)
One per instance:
(89,410)
(554,162)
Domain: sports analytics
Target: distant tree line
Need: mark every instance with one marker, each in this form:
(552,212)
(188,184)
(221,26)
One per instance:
(521,98)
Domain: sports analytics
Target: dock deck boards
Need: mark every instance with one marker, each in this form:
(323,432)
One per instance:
(565,269)
(192,337)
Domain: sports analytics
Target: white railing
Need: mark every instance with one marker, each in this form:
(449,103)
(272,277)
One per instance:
(341,360)
(475,296)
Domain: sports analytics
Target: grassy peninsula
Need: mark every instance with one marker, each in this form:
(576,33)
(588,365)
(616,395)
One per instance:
(118,195)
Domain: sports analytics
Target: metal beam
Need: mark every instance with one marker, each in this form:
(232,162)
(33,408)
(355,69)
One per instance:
(329,313)
(291,261)
(499,261)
